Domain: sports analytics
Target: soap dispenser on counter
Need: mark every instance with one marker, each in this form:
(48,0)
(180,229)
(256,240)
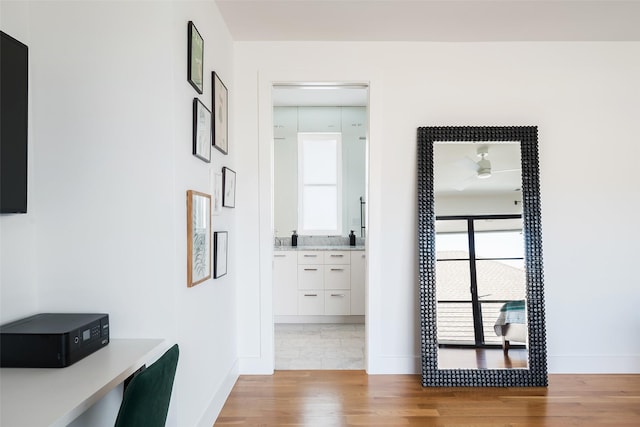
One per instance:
(294,238)
(352,239)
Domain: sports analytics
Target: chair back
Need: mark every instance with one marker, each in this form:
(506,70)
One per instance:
(146,398)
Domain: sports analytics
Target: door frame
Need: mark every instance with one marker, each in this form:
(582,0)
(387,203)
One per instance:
(266,81)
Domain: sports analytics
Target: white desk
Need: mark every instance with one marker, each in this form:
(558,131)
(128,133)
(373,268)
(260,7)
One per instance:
(48,397)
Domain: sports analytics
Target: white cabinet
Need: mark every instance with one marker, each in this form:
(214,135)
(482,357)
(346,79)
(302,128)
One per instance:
(285,283)
(310,276)
(310,257)
(337,302)
(358,272)
(336,257)
(337,276)
(312,283)
(311,302)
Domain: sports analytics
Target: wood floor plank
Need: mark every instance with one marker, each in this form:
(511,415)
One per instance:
(353,398)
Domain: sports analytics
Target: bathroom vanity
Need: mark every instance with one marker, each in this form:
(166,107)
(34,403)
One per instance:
(316,284)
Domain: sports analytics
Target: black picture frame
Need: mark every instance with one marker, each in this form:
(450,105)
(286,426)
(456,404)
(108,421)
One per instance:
(228,188)
(220,103)
(195,58)
(201,131)
(432,376)
(220,253)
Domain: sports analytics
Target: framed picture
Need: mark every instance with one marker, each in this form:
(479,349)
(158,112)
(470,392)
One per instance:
(217,193)
(220,114)
(198,237)
(195,60)
(219,254)
(201,131)
(228,188)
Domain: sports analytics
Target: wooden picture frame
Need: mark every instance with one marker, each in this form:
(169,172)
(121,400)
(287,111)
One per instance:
(220,252)
(198,237)
(228,188)
(195,58)
(220,114)
(201,131)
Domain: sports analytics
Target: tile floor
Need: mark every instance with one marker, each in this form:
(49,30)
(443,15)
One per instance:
(319,346)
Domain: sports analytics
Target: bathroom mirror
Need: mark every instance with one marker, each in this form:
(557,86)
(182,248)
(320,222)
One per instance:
(480,256)
(304,113)
(300,126)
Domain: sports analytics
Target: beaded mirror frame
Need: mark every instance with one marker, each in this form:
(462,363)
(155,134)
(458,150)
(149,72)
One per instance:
(536,374)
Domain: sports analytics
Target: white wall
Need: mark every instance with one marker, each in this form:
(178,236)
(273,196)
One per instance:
(585,99)
(111,129)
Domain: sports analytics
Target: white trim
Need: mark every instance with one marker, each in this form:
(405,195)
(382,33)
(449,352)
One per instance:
(396,365)
(594,364)
(263,362)
(212,411)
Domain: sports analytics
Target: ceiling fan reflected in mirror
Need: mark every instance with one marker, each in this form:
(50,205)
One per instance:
(482,168)
(483,165)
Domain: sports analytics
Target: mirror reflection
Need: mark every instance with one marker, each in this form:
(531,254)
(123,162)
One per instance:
(480,271)
(320,166)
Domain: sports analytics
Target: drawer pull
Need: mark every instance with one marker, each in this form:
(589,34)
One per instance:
(310,256)
(280,256)
(310,269)
(338,295)
(310,295)
(337,269)
(337,255)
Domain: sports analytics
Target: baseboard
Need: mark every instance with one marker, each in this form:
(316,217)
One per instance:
(318,319)
(593,364)
(213,410)
(256,366)
(393,365)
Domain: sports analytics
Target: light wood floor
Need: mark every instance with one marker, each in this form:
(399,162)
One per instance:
(352,398)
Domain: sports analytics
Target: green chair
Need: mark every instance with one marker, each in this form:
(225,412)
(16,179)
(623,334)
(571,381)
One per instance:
(146,398)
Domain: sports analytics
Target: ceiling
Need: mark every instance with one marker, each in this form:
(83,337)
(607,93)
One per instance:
(432,20)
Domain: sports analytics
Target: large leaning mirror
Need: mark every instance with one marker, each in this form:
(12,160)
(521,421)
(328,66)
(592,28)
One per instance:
(480,257)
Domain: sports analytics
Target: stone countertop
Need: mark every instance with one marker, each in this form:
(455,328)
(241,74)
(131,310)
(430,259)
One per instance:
(318,248)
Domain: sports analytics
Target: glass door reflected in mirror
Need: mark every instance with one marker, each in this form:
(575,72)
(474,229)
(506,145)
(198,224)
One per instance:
(480,272)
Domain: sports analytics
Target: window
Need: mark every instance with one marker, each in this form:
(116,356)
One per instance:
(319,183)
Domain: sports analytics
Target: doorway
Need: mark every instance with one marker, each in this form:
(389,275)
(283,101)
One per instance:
(319,189)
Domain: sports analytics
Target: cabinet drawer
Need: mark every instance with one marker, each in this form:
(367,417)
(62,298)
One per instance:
(311,302)
(337,276)
(284,255)
(337,303)
(310,257)
(337,257)
(310,276)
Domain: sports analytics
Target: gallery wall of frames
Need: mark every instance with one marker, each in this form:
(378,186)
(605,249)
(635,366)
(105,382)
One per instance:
(207,250)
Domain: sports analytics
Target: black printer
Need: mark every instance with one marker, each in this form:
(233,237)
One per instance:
(52,340)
